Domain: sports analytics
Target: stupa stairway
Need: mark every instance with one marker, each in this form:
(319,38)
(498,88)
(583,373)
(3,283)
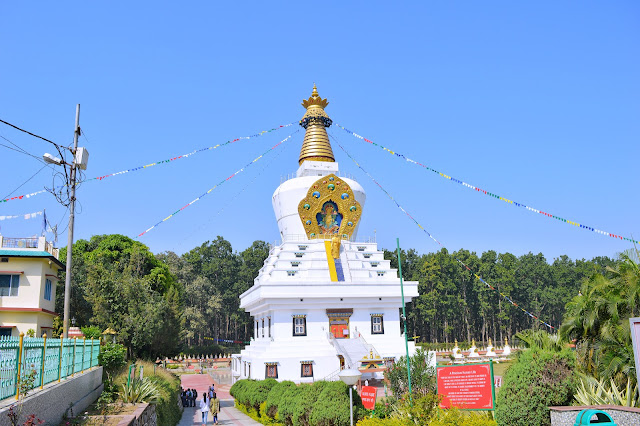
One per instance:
(353,350)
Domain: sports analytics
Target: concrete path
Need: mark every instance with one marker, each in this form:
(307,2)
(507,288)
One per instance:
(229,415)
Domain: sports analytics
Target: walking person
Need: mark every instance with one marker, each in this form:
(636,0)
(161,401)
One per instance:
(214,405)
(195,397)
(204,407)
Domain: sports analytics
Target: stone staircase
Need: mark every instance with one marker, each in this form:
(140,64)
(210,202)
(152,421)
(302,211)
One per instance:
(353,350)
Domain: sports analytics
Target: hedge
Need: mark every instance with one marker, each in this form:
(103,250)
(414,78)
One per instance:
(320,404)
(538,379)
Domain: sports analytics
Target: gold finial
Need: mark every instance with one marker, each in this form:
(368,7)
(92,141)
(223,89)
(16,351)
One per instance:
(315,100)
(316,145)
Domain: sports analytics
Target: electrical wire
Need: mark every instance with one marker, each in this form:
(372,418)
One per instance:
(28,132)
(8,195)
(23,151)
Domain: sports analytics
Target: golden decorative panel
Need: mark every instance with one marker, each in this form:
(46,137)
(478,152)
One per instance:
(329,209)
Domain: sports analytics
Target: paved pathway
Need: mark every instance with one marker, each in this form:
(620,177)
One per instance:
(229,415)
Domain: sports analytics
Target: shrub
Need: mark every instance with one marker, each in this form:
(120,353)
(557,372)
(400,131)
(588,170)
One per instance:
(287,405)
(307,397)
(332,406)
(382,422)
(137,390)
(168,387)
(537,380)
(111,358)
(252,393)
(239,391)
(259,392)
(423,380)
(275,397)
(597,392)
(92,331)
(455,417)
(418,411)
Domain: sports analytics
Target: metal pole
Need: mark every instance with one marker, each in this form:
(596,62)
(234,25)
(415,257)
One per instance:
(18,378)
(67,279)
(404,319)
(351,404)
(44,355)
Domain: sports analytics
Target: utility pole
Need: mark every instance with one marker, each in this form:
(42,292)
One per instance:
(404,320)
(67,279)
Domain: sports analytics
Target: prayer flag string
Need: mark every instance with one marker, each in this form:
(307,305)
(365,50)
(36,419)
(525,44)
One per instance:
(99,178)
(220,183)
(24,216)
(504,296)
(490,194)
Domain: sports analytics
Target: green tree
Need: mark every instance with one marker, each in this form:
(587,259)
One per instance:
(423,377)
(123,286)
(597,319)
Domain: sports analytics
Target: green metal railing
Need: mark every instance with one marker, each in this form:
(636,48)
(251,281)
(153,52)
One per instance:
(49,360)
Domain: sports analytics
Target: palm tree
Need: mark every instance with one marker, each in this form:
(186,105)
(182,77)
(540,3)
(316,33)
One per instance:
(597,320)
(540,339)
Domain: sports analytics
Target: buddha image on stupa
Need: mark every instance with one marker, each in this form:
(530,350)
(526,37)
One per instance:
(329,219)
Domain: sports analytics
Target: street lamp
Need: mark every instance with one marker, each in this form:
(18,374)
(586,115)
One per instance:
(80,158)
(350,377)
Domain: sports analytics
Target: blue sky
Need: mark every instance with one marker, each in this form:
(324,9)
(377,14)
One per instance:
(536,102)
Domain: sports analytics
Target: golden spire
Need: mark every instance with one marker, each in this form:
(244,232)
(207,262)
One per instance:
(316,146)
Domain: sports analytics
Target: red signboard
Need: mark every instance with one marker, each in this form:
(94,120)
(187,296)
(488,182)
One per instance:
(468,387)
(368,396)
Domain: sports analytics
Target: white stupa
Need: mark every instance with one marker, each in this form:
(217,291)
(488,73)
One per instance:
(323,300)
(490,351)
(456,352)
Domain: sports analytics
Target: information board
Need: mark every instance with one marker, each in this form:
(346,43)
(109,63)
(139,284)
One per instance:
(466,386)
(368,397)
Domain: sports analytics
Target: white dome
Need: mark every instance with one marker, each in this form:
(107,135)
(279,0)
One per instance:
(288,195)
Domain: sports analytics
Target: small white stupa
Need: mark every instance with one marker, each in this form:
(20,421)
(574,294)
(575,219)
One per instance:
(507,349)
(490,352)
(457,354)
(473,350)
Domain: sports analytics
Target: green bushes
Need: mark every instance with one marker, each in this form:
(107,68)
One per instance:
(168,389)
(303,406)
(327,404)
(539,379)
(332,406)
(260,392)
(423,377)
(320,404)
(276,395)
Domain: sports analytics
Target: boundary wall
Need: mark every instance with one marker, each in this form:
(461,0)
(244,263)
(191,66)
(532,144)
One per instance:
(57,400)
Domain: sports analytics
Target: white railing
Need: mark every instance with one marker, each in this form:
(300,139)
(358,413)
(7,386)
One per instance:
(333,377)
(38,243)
(370,347)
